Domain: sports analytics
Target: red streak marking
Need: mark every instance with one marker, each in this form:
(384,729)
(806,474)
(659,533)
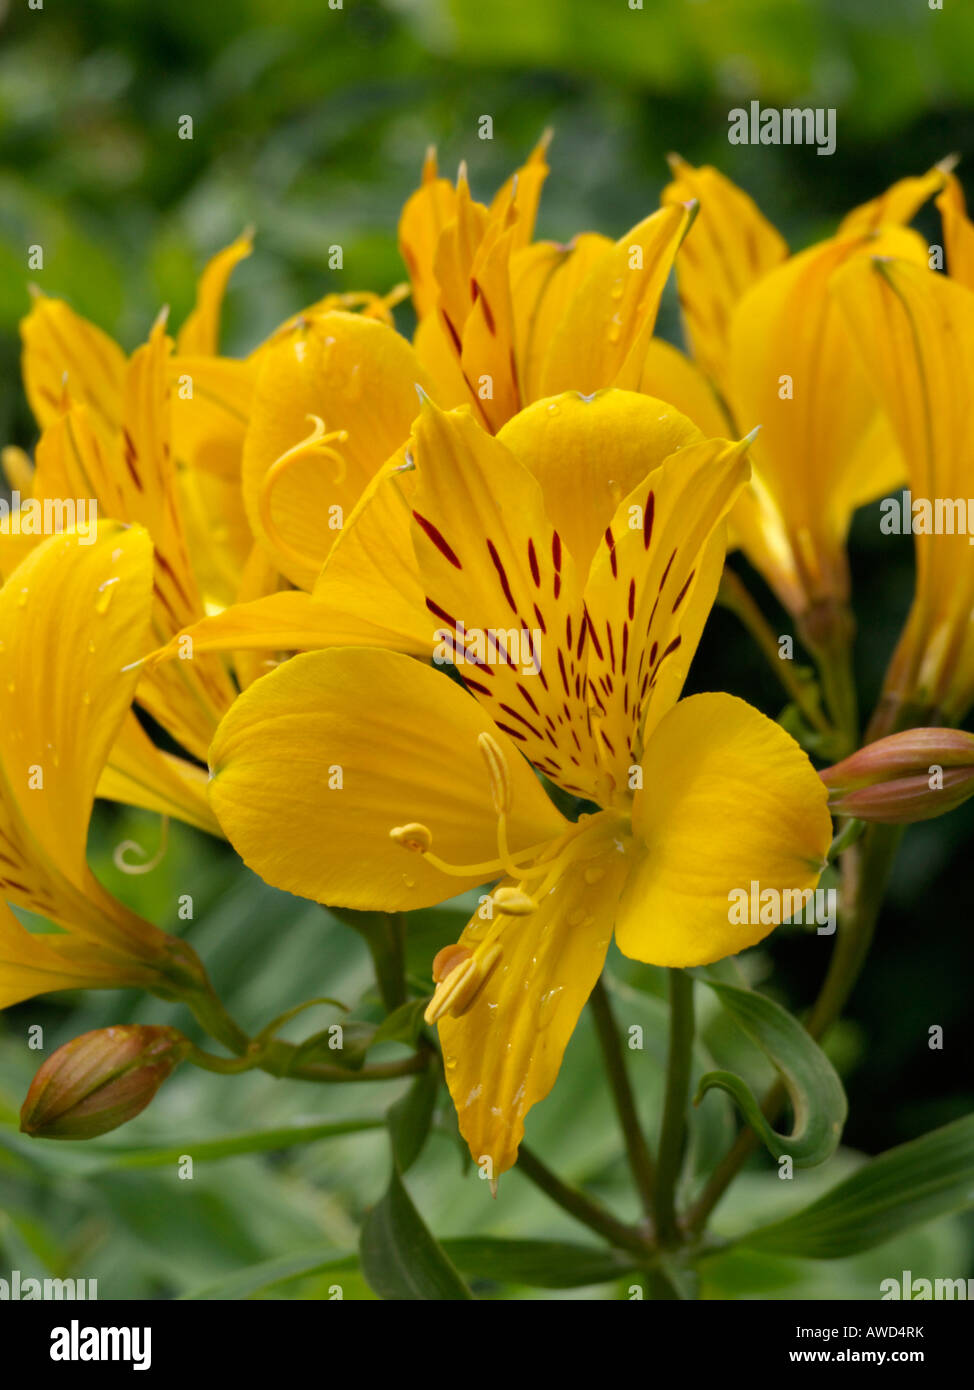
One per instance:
(438,540)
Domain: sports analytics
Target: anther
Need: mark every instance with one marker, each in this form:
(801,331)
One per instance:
(448,959)
(455,994)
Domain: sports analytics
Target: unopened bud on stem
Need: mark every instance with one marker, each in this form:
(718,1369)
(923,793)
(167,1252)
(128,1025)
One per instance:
(911,776)
(100,1081)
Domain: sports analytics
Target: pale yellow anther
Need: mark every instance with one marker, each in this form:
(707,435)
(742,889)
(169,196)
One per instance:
(513,902)
(414,836)
(497,771)
(460,988)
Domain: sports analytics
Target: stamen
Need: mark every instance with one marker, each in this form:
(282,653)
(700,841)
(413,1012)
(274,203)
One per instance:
(455,994)
(318,442)
(444,961)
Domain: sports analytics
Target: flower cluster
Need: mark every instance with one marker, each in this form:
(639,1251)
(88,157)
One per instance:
(419,614)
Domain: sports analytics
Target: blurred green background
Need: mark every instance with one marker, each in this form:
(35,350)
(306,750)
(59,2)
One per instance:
(311,123)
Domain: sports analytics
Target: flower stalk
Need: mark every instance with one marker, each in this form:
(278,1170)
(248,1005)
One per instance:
(676,1100)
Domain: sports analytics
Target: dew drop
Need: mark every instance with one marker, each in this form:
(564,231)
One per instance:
(105,592)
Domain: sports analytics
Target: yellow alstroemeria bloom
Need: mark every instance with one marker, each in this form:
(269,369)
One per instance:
(915,330)
(212,405)
(775,351)
(127,472)
(73,619)
(365,778)
(503,320)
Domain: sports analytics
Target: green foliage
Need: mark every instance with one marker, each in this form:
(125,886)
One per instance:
(817,1099)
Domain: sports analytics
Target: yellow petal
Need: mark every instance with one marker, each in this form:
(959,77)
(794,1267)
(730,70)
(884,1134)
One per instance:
(651,586)
(318,761)
(729,799)
(370,582)
(487,351)
(503,1054)
(32,963)
(200,334)
(602,337)
(437,355)
(795,371)
(218,535)
(354,374)
(140,774)
(898,205)
(524,188)
(544,279)
(669,375)
(589,452)
(729,248)
(368,593)
(18,469)
(63,351)
(958,232)
(501,590)
(289,621)
(61,706)
(915,330)
(423,218)
(458,245)
(210,408)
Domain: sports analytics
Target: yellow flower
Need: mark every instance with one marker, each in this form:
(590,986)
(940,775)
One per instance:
(915,330)
(73,619)
(115,458)
(505,321)
(777,353)
(365,778)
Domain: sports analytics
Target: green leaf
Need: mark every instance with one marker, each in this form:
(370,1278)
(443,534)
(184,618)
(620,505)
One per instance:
(411,1117)
(403,1024)
(904,1187)
(84,1158)
(356,1039)
(538,1264)
(400,1257)
(813,1086)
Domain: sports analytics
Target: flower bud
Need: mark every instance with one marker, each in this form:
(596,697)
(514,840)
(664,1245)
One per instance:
(100,1081)
(910,776)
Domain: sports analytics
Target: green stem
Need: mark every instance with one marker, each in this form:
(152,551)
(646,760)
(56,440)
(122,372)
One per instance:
(866,869)
(640,1161)
(827,629)
(735,597)
(583,1208)
(276,1057)
(678,1066)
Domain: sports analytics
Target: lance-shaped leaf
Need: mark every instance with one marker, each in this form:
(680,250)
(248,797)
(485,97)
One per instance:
(815,1091)
(400,1257)
(411,1118)
(908,1185)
